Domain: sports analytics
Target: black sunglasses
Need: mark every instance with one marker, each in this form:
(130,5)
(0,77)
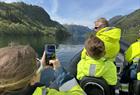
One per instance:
(96,27)
(101,26)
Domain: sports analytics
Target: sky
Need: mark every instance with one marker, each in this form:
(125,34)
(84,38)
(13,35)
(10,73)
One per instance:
(83,12)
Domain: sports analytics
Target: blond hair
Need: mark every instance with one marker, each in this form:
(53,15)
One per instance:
(104,21)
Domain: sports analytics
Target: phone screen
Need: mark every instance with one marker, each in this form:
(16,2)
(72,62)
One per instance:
(50,52)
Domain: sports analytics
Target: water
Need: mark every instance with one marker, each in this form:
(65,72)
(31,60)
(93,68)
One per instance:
(38,43)
(64,51)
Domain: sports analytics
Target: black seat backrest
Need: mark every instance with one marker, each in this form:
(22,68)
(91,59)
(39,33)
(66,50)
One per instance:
(95,86)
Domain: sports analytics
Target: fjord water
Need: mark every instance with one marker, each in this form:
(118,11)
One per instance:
(65,51)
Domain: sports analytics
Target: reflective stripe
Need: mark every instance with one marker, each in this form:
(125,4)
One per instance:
(124,87)
(93,83)
(117,91)
(68,85)
(138,76)
(136,60)
(92,70)
(44,91)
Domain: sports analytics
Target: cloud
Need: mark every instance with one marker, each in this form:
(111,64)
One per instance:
(88,20)
(107,6)
(55,16)
(9,1)
(72,21)
(84,22)
(55,7)
(39,2)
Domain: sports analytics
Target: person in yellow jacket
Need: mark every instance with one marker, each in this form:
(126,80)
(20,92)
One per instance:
(133,52)
(20,74)
(104,65)
(132,56)
(93,63)
(110,36)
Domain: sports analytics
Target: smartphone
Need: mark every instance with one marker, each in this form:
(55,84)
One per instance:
(50,52)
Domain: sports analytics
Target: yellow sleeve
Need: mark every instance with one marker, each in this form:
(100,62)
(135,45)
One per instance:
(76,90)
(69,88)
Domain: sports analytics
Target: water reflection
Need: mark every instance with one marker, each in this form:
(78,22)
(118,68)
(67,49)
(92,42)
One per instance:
(37,42)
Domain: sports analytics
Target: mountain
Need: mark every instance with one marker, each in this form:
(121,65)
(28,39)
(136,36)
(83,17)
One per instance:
(130,25)
(78,32)
(113,20)
(23,19)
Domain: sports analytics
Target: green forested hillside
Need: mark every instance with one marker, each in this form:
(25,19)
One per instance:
(23,19)
(130,25)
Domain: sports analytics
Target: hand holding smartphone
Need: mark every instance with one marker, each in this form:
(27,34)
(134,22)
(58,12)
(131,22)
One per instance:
(50,50)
